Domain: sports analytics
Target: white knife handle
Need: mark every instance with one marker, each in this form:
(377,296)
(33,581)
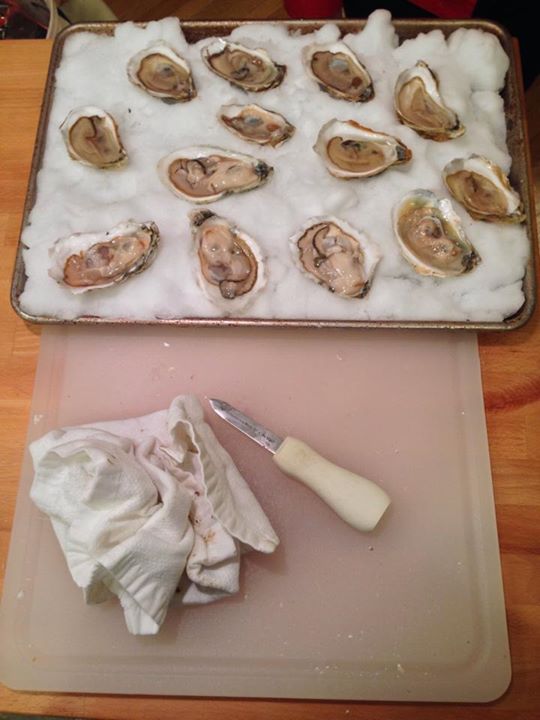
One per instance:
(356,500)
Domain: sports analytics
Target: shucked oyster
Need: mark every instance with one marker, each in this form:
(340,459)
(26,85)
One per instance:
(252,70)
(87,261)
(335,255)
(230,262)
(431,237)
(350,150)
(483,189)
(255,124)
(419,105)
(91,136)
(338,72)
(160,71)
(205,174)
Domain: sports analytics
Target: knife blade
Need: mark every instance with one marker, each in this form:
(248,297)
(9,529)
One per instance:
(358,501)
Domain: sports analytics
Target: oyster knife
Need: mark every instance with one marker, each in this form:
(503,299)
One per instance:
(358,501)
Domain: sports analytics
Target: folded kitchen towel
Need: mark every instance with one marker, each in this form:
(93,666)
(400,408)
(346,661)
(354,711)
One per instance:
(136,503)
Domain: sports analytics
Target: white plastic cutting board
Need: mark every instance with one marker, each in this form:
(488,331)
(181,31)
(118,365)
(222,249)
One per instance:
(413,611)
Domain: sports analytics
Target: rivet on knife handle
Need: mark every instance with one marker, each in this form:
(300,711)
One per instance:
(356,500)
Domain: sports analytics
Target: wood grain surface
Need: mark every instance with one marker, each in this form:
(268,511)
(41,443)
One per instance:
(511,376)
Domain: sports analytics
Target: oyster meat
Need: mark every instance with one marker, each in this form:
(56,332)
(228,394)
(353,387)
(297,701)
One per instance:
(255,124)
(231,268)
(88,261)
(419,105)
(350,150)
(252,70)
(338,71)
(91,136)
(335,255)
(431,237)
(160,71)
(205,174)
(483,189)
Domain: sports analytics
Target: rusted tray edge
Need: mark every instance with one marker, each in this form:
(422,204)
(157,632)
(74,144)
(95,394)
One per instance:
(517,140)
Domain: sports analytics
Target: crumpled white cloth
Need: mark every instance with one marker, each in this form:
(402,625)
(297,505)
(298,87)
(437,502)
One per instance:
(135,503)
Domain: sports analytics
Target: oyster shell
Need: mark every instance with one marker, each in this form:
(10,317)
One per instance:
(204,174)
(91,136)
(419,105)
(335,255)
(252,70)
(483,190)
(231,268)
(350,150)
(431,237)
(255,124)
(161,72)
(338,71)
(88,261)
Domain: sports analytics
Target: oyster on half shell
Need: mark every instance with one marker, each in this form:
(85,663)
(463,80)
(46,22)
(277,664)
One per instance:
(431,237)
(252,70)
(419,105)
(483,190)
(161,72)
(203,174)
(335,255)
(350,150)
(88,261)
(231,268)
(91,136)
(256,124)
(338,71)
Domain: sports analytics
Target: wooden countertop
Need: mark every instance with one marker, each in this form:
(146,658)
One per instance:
(511,376)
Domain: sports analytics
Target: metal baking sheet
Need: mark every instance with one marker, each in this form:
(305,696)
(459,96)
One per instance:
(517,139)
